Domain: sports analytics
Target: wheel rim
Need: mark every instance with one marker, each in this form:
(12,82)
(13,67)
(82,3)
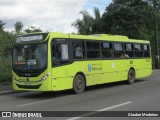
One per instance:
(79,84)
(131,76)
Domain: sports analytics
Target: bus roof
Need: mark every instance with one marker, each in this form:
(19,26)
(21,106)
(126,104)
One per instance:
(106,37)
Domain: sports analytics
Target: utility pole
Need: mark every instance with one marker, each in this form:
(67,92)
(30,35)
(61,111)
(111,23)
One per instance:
(156,36)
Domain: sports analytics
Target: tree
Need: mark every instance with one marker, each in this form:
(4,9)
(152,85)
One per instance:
(18,26)
(6,43)
(2,25)
(84,26)
(88,24)
(6,40)
(96,27)
(132,18)
(32,29)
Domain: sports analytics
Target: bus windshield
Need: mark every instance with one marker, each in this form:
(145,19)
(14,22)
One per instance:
(30,57)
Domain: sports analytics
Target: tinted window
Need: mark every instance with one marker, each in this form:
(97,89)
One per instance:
(146,51)
(138,50)
(118,47)
(106,46)
(129,51)
(106,50)
(78,49)
(137,47)
(118,50)
(128,47)
(93,49)
(60,53)
(145,47)
(30,57)
(92,45)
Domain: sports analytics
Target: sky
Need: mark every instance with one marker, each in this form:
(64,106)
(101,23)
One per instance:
(49,15)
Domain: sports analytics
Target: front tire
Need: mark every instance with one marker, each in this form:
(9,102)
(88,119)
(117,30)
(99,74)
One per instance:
(79,84)
(131,76)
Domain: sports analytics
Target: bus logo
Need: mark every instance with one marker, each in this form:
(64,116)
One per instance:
(89,67)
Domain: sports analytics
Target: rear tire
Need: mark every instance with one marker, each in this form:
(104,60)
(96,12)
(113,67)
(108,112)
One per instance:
(79,84)
(131,76)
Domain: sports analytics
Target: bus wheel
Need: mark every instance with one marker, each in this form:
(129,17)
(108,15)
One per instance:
(131,76)
(79,84)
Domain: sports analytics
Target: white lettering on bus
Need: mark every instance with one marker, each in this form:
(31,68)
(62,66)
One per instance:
(29,38)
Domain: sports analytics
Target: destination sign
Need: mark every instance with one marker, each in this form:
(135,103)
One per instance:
(29,38)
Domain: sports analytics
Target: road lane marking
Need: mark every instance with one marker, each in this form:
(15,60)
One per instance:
(33,103)
(115,106)
(38,102)
(104,109)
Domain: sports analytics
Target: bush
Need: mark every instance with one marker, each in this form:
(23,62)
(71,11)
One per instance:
(5,69)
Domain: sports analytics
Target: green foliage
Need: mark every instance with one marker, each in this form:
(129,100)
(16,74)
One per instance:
(96,27)
(132,18)
(1,25)
(32,29)
(84,25)
(88,24)
(18,26)
(5,69)
(6,43)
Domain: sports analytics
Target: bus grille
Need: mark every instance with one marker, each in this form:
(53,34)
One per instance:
(29,86)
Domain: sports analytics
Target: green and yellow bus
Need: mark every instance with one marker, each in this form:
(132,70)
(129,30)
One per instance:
(56,61)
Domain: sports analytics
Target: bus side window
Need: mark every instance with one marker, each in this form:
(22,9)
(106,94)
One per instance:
(138,50)
(118,50)
(146,51)
(106,50)
(78,49)
(92,50)
(56,52)
(129,50)
(60,53)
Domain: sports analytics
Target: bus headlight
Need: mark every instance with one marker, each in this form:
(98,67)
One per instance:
(46,76)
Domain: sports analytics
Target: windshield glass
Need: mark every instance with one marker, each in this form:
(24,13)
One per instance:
(30,57)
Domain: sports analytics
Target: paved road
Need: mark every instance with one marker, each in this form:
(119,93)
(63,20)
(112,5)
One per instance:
(144,95)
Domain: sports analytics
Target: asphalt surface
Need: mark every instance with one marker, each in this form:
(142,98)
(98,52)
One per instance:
(144,95)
